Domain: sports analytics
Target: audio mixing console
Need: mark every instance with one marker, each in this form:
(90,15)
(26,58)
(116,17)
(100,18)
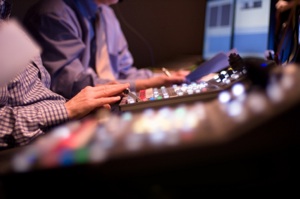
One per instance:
(184,93)
(109,136)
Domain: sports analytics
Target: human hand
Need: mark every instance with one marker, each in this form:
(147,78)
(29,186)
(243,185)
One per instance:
(282,5)
(158,81)
(91,98)
(181,72)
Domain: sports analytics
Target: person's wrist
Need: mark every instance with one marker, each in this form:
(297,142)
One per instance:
(70,112)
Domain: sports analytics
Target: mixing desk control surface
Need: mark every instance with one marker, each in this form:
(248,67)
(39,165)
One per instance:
(109,136)
(245,139)
(187,92)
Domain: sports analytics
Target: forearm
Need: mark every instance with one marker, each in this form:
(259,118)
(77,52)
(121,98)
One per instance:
(132,83)
(142,84)
(136,78)
(20,125)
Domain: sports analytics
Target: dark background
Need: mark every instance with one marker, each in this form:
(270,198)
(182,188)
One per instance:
(157,30)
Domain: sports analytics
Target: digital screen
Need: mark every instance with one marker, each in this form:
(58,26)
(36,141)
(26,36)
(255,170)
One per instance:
(218,27)
(247,26)
(251,31)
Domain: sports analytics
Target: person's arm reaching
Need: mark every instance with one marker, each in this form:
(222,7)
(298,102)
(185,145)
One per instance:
(29,109)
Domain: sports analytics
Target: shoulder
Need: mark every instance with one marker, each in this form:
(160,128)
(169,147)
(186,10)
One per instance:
(47,14)
(45,7)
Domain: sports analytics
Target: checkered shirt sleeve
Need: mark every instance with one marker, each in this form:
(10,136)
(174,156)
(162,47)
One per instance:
(28,108)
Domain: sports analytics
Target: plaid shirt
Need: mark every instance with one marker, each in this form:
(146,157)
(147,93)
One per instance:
(28,108)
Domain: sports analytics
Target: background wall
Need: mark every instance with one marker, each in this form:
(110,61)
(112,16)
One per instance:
(156,30)
(20,7)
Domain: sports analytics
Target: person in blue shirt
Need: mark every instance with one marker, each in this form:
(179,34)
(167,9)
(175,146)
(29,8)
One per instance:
(70,39)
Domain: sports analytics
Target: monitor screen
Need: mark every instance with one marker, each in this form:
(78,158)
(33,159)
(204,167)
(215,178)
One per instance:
(247,26)
(252,26)
(218,27)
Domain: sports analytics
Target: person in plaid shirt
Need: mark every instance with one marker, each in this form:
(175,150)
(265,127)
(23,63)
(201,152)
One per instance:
(28,108)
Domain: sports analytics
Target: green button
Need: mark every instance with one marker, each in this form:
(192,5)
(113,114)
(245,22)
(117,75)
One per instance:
(81,155)
(159,97)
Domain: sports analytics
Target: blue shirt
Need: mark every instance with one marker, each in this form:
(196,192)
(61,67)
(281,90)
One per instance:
(65,30)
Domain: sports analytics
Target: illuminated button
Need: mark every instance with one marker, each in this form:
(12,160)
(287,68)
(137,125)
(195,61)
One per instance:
(193,84)
(166,95)
(236,111)
(178,117)
(180,92)
(130,101)
(287,82)
(81,155)
(190,122)
(142,95)
(104,138)
(235,76)
(199,110)
(257,102)
(238,89)
(203,84)
(275,92)
(184,85)
(97,153)
(235,108)
(224,73)
(157,137)
(155,92)
(204,89)
(134,141)
(224,97)
(24,161)
(66,157)
(127,116)
(226,81)
(159,97)
(190,91)
(217,78)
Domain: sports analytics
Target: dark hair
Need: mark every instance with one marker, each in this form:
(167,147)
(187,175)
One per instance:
(5,9)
